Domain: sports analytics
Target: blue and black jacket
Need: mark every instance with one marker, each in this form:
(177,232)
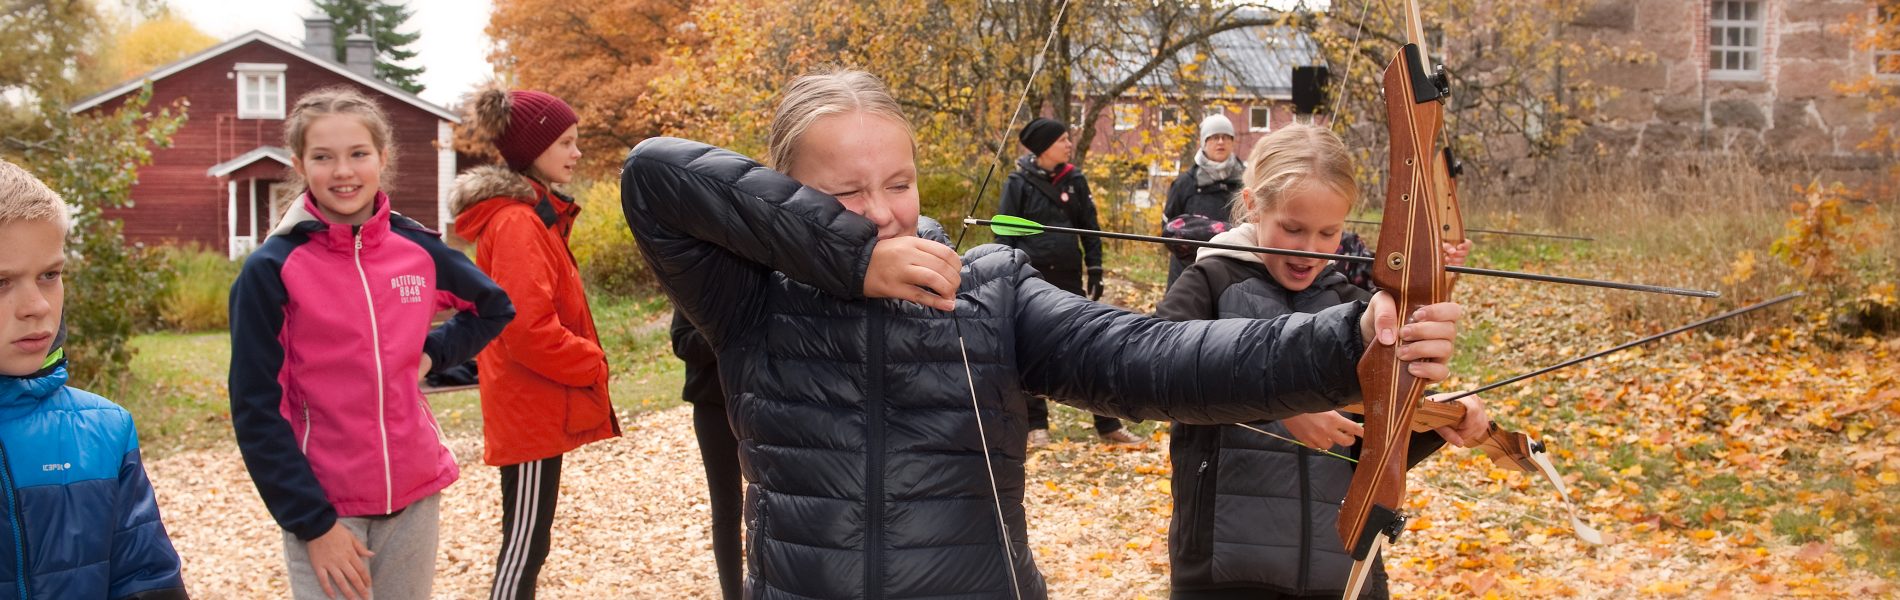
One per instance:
(78,515)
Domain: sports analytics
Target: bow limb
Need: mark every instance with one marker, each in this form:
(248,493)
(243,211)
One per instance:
(1409,267)
(1514,450)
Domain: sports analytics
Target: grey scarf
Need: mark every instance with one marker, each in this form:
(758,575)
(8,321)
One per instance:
(1212,172)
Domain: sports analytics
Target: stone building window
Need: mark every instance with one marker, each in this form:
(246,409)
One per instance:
(1887,49)
(1735,39)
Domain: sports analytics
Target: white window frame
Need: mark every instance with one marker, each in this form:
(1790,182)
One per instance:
(1127,116)
(266,79)
(1075,114)
(1169,116)
(1161,168)
(1752,34)
(1254,110)
(1882,11)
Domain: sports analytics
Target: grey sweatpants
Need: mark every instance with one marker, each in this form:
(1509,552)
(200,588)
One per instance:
(404,565)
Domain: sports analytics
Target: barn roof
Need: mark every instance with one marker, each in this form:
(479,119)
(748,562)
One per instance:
(373,83)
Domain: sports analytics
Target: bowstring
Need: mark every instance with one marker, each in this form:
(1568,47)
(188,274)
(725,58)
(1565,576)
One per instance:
(976,407)
(1365,8)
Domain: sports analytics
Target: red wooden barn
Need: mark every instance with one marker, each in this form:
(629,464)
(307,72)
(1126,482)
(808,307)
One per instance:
(214,186)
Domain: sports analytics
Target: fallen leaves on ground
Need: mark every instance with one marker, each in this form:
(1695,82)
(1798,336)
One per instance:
(1759,464)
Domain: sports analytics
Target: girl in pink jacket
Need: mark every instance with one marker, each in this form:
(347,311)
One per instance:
(329,330)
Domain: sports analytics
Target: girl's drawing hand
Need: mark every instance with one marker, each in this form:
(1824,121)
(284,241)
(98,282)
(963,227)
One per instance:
(915,269)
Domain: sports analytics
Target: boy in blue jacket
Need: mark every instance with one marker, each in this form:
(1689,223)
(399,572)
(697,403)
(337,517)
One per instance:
(77,516)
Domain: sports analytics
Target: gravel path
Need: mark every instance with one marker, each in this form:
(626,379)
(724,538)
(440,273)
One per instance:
(633,520)
(631,524)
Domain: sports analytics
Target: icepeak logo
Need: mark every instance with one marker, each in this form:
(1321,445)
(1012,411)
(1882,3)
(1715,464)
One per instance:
(409,287)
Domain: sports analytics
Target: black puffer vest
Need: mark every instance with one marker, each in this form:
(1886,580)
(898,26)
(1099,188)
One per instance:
(865,469)
(1252,511)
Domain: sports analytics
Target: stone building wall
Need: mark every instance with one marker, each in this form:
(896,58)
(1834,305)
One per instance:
(1673,103)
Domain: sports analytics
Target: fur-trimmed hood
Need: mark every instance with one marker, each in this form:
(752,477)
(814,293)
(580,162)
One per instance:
(482,183)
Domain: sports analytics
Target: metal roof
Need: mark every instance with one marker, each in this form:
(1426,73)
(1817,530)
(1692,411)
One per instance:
(1255,62)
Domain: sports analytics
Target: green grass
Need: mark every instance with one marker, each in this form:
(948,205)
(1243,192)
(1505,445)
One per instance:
(636,333)
(182,403)
(178,397)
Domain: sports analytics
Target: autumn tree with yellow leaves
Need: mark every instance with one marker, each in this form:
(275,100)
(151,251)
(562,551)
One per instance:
(602,56)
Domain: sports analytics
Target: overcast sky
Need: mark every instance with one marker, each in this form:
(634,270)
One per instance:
(453,49)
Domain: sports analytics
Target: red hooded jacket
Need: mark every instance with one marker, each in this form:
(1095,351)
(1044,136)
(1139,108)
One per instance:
(544,381)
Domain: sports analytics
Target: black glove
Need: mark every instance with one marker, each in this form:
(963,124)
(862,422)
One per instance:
(1094,287)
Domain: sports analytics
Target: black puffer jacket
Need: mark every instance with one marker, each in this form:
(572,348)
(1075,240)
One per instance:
(857,437)
(1188,197)
(1061,199)
(1252,512)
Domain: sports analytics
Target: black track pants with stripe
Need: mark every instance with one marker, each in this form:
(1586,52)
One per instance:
(528,493)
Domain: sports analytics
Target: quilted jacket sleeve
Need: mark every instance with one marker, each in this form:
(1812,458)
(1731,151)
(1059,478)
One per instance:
(714,225)
(1122,364)
(144,564)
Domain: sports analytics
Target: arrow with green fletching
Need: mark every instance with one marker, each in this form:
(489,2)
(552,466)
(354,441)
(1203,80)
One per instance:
(1013,226)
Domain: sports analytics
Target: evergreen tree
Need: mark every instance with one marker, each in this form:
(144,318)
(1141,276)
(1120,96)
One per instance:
(379,19)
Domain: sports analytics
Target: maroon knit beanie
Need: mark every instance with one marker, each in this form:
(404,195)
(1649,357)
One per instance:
(535,120)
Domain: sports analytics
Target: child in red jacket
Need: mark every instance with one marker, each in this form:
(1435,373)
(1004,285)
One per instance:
(544,381)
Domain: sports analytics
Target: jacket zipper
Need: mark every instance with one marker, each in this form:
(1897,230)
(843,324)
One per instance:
(13,519)
(874,466)
(376,343)
(1203,510)
(304,446)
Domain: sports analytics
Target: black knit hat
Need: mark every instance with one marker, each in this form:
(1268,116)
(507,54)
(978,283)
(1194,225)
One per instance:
(1041,133)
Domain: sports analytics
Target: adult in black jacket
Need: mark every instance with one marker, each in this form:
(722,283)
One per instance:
(1046,189)
(1207,188)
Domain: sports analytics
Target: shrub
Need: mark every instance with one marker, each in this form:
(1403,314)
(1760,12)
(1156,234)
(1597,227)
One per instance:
(197,290)
(1839,254)
(603,246)
(93,162)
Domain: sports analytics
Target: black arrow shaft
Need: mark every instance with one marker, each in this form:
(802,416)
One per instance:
(1497,232)
(1637,287)
(1727,315)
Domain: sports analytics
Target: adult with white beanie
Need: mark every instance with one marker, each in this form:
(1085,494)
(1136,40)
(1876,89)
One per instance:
(1201,199)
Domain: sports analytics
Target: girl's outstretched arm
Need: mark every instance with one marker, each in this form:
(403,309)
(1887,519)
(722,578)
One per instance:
(1117,363)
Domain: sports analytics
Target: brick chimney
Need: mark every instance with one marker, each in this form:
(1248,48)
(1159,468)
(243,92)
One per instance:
(319,37)
(359,55)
